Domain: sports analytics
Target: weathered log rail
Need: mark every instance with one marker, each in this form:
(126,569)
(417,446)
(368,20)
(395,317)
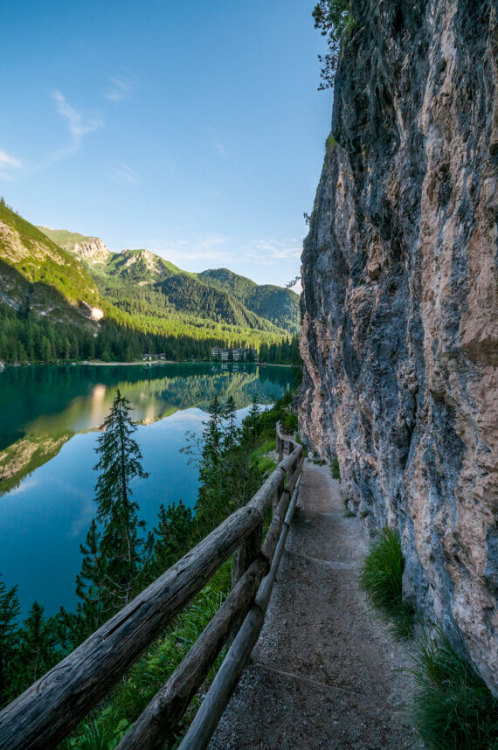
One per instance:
(52,707)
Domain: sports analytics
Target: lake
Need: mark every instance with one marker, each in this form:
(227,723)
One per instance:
(48,431)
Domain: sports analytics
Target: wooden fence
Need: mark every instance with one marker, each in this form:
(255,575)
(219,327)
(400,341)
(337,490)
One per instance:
(53,706)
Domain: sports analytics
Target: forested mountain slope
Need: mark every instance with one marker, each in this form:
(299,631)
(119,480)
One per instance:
(141,282)
(79,300)
(279,305)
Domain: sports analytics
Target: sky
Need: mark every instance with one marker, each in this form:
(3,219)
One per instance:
(194,130)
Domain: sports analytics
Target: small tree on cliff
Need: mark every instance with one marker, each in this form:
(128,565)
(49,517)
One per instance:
(333,18)
(120,461)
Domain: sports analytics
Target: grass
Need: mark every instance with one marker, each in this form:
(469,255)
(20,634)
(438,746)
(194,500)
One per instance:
(381,577)
(103,729)
(260,456)
(454,710)
(330,143)
(334,468)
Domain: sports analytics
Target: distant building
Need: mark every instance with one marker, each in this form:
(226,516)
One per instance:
(235,354)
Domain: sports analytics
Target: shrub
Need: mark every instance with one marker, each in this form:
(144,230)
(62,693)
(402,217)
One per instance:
(381,578)
(454,710)
(289,423)
(334,468)
(330,143)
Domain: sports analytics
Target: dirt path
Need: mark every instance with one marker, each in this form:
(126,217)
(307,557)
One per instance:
(325,672)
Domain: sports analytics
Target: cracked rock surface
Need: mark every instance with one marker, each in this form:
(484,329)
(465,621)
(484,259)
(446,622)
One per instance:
(400,313)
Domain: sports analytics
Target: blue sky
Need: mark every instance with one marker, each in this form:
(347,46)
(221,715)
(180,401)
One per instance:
(192,129)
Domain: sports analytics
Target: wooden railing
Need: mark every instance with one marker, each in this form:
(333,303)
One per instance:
(52,707)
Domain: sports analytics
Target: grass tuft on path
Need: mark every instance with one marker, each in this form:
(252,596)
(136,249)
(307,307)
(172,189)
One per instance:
(381,577)
(453,709)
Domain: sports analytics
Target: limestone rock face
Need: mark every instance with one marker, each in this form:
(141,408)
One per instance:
(400,317)
(91,249)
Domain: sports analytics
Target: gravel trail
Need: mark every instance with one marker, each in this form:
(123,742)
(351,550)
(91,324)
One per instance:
(325,672)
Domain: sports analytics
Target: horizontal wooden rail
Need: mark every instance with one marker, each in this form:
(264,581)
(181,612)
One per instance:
(48,711)
(214,703)
(167,707)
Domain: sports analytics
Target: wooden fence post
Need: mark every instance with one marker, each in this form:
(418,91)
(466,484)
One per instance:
(245,555)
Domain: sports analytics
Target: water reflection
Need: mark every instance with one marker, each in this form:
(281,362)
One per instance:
(44,407)
(47,451)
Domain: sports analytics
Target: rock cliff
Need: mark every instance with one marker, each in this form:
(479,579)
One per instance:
(400,319)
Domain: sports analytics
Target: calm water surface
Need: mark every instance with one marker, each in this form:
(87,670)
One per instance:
(47,452)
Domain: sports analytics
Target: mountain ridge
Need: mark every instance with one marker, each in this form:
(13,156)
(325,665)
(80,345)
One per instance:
(114,305)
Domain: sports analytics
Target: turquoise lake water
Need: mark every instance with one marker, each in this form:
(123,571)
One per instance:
(48,432)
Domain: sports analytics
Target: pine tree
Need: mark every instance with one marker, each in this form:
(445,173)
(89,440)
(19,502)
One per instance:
(39,646)
(9,639)
(119,463)
(174,536)
(91,583)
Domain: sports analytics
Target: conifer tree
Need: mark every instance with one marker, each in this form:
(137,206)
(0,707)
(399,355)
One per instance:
(173,536)
(39,645)
(91,583)
(9,637)
(120,461)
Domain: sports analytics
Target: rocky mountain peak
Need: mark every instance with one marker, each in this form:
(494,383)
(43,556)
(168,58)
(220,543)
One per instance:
(92,250)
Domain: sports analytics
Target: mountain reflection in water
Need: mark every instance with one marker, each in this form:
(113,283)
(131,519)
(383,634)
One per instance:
(47,452)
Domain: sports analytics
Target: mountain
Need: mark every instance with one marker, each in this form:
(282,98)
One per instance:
(65,295)
(279,305)
(400,280)
(219,296)
(91,249)
(39,277)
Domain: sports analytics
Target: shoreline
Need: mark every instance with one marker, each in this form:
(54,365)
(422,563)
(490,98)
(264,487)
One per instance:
(97,363)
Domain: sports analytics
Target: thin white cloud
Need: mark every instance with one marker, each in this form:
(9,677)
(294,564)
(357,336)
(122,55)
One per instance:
(124,173)
(78,127)
(120,87)
(209,248)
(270,252)
(279,249)
(8,164)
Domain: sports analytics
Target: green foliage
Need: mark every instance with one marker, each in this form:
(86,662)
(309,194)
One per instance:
(9,611)
(153,670)
(289,422)
(116,555)
(280,306)
(228,474)
(264,462)
(330,143)
(334,468)
(454,710)
(381,577)
(174,536)
(149,305)
(333,18)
